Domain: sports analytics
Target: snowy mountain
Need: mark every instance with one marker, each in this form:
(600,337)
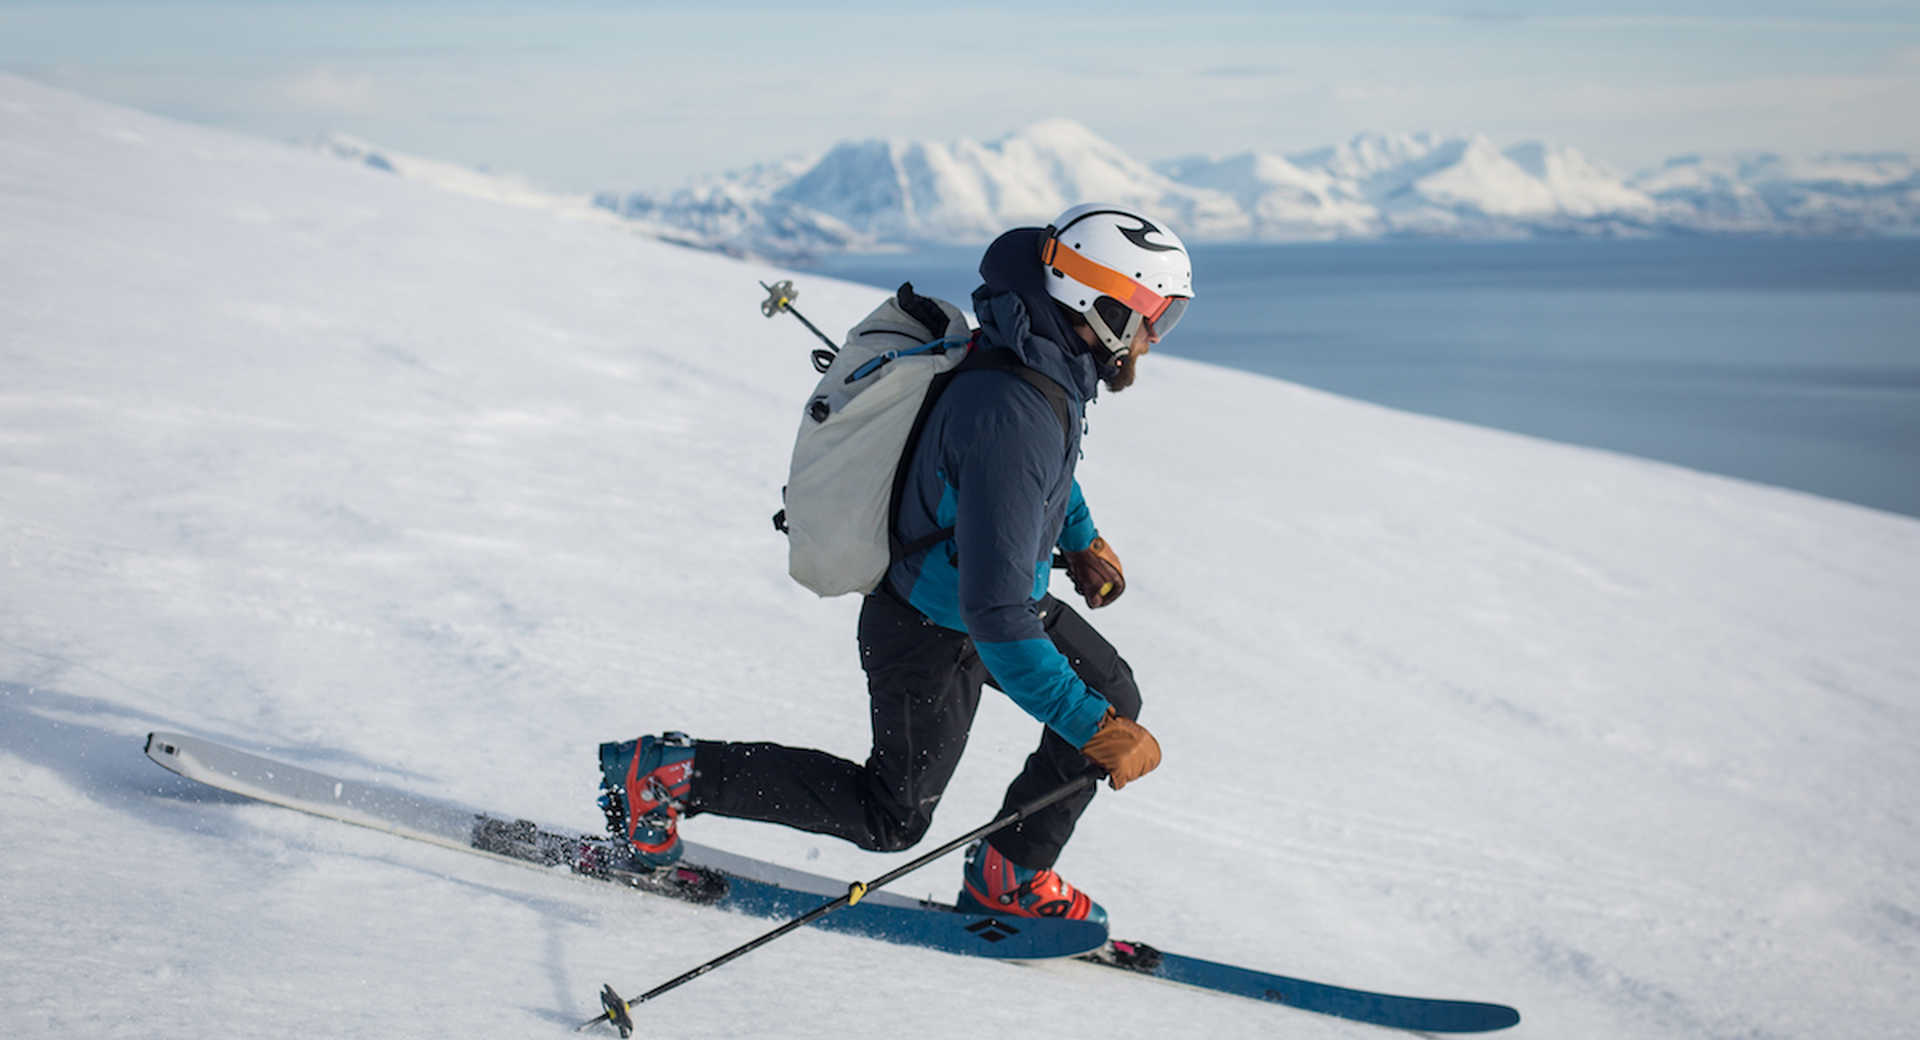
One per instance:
(734,214)
(1281,200)
(438,492)
(868,194)
(1423,184)
(1768,193)
(871,192)
(1580,187)
(1414,184)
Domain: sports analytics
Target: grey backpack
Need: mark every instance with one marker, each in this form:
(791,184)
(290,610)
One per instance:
(857,434)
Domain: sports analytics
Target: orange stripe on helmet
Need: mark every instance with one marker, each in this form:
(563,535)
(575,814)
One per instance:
(1102,279)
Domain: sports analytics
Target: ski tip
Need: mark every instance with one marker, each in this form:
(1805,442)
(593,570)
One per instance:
(161,745)
(1474,1017)
(1503,1017)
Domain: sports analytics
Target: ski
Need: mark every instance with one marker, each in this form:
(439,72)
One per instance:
(754,887)
(1417,1014)
(705,875)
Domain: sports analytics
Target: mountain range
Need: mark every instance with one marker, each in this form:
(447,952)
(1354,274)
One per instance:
(876,193)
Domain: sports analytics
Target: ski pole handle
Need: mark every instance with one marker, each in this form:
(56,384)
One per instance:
(780,296)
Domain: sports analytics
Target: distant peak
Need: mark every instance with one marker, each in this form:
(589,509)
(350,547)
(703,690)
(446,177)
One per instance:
(1058,131)
(1531,156)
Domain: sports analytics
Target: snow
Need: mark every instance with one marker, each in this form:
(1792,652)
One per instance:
(504,188)
(437,492)
(1367,156)
(1475,175)
(1580,186)
(1282,199)
(891,191)
(874,194)
(898,190)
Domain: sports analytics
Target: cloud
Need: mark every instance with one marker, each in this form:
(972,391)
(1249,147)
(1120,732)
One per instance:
(329,92)
(1490,17)
(1244,71)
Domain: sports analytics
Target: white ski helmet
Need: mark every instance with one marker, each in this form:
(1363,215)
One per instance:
(1118,269)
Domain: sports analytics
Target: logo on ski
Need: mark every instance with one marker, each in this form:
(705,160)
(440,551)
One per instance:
(993,929)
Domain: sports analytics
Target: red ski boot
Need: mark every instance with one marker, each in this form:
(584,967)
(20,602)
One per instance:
(646,782)
(995,884)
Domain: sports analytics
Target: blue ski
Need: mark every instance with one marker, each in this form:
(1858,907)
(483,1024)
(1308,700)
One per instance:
(1419,1014)
(755,887)
(706,875)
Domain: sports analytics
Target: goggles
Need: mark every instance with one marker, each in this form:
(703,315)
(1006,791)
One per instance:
(1161,312)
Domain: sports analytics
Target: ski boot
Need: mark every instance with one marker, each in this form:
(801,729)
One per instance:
(645,783)
(994,884)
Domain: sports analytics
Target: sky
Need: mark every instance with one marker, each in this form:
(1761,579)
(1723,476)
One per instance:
(581,95)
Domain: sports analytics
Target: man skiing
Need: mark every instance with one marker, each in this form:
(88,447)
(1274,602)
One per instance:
(1079,302)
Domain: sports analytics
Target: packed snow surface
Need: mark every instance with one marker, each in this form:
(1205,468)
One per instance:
(438,492)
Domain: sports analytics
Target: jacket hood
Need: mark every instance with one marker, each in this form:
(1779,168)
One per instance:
(1016,314)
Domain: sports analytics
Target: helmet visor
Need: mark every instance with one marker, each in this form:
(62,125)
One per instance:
(1169,316)
(1124,321)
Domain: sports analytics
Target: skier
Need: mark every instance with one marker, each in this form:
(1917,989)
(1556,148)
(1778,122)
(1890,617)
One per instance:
(1081,302)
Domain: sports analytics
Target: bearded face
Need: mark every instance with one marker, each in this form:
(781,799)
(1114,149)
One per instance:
(1114,375)
(1119,377)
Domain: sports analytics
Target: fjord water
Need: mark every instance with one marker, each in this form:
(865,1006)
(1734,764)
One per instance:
(1790,362)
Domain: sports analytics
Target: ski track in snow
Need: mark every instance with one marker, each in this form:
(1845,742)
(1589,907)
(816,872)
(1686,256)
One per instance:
(436,492)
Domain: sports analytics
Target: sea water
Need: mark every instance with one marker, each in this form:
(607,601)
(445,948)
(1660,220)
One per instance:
(1786,361)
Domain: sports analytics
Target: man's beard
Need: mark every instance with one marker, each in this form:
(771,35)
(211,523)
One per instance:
(1119,376)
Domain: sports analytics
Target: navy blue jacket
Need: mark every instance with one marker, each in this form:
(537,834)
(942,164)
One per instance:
(994,464)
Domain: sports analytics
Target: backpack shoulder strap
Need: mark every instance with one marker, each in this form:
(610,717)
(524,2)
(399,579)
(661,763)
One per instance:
(1001,360)
(1004,360)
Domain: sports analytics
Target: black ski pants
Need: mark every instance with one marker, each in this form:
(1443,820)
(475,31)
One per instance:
(923,684)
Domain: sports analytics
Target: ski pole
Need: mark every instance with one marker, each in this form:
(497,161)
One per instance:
(618,1010)
(780,297)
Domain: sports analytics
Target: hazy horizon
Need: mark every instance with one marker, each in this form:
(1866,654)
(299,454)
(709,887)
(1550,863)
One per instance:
(588,95)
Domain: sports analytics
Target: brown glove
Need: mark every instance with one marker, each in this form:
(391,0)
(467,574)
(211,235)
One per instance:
(1123,748)
(1096,575)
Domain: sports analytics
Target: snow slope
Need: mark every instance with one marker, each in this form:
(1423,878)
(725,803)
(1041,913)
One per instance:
(496,187)
(438,492)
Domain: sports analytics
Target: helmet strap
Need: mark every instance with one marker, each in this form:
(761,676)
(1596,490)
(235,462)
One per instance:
(1119,342)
